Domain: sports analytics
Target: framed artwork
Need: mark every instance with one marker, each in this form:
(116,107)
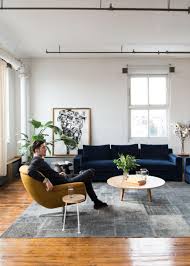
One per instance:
(76,124)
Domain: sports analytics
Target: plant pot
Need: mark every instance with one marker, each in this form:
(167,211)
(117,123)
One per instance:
(125,175)
(182,146)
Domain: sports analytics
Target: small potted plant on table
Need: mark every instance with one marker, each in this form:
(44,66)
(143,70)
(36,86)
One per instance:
(126,163)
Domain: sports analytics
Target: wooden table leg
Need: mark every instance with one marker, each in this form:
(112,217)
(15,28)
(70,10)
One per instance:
(122,193)
(149,195)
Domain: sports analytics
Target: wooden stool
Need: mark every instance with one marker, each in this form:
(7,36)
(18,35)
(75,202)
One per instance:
(72,199)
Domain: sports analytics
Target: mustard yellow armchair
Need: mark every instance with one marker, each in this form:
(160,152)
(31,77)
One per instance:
(51,199)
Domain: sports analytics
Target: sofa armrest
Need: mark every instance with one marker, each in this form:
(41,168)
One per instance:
(172,158)
(187,161)
(77,162)
(178,162)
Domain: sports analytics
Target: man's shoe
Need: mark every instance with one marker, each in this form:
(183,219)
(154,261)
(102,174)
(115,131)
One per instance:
(99,204)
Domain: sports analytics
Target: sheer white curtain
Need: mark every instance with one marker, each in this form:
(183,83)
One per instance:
(3,127)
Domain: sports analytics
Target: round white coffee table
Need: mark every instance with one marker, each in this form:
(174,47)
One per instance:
(151,182)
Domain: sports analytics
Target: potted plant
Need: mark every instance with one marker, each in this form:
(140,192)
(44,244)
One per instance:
(39,133)
(126,163)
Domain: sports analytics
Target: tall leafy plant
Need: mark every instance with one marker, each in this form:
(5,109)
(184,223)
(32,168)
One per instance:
(39,133)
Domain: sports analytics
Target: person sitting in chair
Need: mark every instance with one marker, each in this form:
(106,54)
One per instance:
(41,171)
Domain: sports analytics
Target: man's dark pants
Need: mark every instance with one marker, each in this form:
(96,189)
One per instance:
(85,176)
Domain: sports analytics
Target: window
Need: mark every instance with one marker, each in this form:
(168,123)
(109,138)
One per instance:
(148,107)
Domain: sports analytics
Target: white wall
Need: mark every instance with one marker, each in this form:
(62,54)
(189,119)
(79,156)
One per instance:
(100,85)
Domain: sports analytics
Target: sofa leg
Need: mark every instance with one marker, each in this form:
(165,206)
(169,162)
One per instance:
(122,193)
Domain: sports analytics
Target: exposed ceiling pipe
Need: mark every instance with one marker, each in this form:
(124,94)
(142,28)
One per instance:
(117,52)
(110,8)
(6,56)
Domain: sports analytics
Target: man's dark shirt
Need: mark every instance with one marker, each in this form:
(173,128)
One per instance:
(38,164)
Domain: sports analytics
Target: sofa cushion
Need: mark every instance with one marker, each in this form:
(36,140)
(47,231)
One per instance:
(156,164)
(124,149)
(100,165)
(154,151)
(101,152)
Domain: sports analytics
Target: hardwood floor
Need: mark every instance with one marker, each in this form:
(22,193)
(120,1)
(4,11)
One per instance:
(82,251)
(13,200)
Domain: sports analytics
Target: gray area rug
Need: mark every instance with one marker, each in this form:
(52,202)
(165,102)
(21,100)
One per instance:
(168,215)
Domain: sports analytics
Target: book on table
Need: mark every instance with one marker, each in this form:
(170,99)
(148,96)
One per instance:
(136,181)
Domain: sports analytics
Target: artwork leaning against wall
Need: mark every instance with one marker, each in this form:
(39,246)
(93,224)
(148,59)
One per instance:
(76,124)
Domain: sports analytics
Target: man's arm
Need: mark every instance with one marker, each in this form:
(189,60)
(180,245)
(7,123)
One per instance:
(39,169)
(40,177)
(49,185)
(36,175)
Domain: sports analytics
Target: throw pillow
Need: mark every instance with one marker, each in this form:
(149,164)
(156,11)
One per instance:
(154,151)
(124,149)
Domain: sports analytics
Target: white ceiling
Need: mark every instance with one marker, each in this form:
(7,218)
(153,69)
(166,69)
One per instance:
(29,33)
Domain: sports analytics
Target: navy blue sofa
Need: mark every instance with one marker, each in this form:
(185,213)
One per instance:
(158,159)
(187,170)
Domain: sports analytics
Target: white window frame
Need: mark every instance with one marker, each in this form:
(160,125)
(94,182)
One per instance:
(148,107)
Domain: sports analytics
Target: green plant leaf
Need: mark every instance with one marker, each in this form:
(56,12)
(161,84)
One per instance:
(69,141)
(36,124)
(38,138)
(125,162)
(48,123)
(26,136)
(56,129)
